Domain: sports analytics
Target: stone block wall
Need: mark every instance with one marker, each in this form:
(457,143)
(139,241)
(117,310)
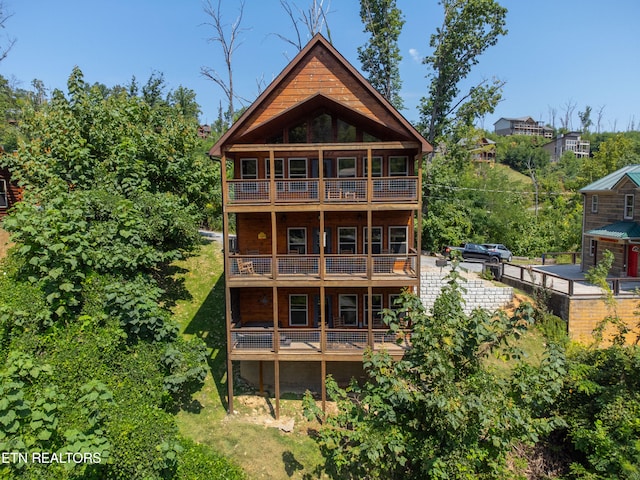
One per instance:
(479,293)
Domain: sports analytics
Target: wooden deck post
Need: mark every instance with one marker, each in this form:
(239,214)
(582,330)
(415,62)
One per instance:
(276,376)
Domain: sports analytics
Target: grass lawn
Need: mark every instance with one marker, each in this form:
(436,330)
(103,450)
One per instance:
(250,437)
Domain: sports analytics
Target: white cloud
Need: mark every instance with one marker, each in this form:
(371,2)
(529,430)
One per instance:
(415,55)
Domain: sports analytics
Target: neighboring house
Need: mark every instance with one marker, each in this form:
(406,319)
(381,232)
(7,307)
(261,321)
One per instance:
(484,151)
(521,126)
(10,193)
(611,215)
(204,131)
(325,199)
(568,142)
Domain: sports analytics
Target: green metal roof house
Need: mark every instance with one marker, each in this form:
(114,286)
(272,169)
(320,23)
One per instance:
(610,221)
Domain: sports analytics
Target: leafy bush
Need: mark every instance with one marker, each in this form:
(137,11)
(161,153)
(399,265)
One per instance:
(439,412)
(197,462)
(601,405)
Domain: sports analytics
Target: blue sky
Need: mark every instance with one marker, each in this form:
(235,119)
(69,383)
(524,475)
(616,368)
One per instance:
(557,52)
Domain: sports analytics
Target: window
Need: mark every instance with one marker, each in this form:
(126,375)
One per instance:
(298,133)
(594,204)
(376,240)
(368,137)
(628,206)
(398,239)
(346,132)
(398,167)
(279,163)
(249,168)
(376,166)
(321,130)
(3,193)
(349,310)
(346,167)
(297,240)
(298,169)
(376,305)
(593,246)
(298,310)
(392,301)
(249,171)
(279,167)
(347,239)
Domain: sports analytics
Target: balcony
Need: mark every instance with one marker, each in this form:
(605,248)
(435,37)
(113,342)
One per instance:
(258,267)
(387,189)
(245,339)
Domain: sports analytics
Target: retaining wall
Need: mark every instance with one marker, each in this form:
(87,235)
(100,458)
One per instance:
(583,313)
(479,293)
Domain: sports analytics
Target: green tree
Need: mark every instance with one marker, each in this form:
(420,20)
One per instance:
(440,412)
(380,56)
(522,152)
(184,100)
(111,187)
(585,119)
(468,29)
(615,152)
(601,406)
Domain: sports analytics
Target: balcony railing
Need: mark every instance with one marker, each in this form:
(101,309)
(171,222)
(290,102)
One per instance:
(310,340)
(261,266)
(388,189)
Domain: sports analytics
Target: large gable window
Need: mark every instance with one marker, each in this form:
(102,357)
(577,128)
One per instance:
(298,133)
(321,129)
(346,132)
(628,207)
(594,204)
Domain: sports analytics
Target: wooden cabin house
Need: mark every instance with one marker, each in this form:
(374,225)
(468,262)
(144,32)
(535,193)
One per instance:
(321,178)
(10,193)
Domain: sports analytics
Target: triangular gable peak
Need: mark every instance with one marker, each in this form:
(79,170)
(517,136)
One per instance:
(317,79)
(630,179)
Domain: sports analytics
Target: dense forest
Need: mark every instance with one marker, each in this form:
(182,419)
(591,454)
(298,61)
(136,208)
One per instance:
(116,185)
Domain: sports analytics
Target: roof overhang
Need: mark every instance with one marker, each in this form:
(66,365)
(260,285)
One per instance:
(618,231)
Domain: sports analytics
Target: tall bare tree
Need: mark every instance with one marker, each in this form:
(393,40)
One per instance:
(599,118)
(553,112)
(228,37)
(306,23)
(567,119)
(6,42)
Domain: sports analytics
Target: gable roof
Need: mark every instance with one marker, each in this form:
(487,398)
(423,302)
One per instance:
(319,75)
(516,119)
(607,183)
